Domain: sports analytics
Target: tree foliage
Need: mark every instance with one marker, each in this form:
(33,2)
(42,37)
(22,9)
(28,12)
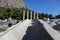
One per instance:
(17,13)
(57,16)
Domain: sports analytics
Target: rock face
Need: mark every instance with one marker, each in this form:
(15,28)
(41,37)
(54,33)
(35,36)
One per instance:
(12,3)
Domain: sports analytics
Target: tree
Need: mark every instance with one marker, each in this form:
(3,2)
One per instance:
(57,16)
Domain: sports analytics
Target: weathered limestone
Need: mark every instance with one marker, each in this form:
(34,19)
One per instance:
(53,33)
(12,3)
(31,15)
(16,32)
(37,15)
(27,14)
(34,15)
(23,15)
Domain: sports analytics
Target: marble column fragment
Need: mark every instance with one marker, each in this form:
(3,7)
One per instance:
(37,15)
(31,15)
(23,15)
(34,15)
(27,14)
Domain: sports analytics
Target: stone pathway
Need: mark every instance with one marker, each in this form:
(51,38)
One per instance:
(31,30)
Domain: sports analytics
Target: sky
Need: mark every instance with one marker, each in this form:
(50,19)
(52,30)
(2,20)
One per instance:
(44,6)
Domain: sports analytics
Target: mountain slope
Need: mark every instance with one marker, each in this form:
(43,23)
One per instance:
(12,3)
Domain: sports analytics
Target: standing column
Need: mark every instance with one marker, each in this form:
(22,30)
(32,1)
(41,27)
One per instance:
(34,15)
(37,15)
(23,15)
(27,14)
(31,15)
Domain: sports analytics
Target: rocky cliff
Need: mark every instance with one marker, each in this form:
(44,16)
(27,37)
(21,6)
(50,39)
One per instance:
(12,3)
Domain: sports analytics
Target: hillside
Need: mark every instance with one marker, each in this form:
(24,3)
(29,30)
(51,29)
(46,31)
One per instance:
(12,3)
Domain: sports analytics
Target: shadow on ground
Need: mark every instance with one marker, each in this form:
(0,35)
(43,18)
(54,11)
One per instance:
(37,32)
(57,27)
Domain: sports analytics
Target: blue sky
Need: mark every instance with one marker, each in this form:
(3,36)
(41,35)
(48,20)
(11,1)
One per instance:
(44,6)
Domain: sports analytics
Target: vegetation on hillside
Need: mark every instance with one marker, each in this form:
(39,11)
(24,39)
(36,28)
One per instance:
(17,14)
